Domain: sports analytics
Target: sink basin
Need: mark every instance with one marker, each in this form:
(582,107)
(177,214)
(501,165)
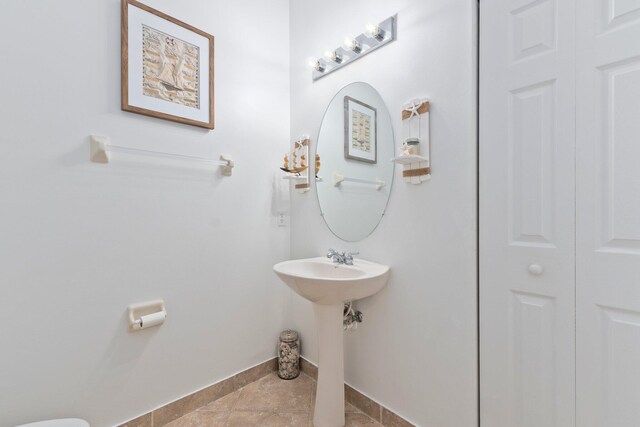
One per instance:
(329,286)
(322,281)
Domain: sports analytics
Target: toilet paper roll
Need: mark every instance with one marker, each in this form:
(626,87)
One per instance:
(153,319)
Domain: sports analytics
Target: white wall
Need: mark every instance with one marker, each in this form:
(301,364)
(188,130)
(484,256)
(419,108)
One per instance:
(81,241)
(416,350)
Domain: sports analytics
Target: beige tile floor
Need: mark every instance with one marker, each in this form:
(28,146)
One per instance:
(268,402)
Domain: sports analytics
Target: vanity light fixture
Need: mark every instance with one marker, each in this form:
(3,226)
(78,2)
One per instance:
(376,36)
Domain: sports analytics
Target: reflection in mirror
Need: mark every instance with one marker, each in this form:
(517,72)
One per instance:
(355,145)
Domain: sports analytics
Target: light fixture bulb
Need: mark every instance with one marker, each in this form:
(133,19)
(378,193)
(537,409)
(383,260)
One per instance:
(333,56)
(352,44)
(375,31)
(316,64)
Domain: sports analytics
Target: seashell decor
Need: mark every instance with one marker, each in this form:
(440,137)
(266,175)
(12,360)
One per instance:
(289,355)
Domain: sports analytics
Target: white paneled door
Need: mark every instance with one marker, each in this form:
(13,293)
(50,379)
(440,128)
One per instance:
(560,213)
(527,213)
(608,213)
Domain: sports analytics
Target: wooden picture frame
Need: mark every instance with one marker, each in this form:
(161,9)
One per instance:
(167,67)
(360,131)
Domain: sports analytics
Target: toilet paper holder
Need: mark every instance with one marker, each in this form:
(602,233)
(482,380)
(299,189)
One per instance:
(146,314)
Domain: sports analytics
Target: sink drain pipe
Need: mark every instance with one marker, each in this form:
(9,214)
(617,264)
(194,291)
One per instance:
(351,317)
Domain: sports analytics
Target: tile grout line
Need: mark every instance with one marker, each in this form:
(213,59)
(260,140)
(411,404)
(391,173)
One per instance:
(233,406)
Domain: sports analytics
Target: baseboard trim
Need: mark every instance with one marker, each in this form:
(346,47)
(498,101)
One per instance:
(176,409)
(375,410)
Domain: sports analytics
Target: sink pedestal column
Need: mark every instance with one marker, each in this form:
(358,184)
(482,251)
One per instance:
(329,411)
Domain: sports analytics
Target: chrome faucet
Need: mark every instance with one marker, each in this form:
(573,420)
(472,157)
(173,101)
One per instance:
(341,257)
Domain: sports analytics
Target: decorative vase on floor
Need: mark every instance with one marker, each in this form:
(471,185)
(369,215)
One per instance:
(289,355)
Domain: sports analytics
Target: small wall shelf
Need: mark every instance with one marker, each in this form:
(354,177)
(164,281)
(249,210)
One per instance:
(295,177)
(416,168)
(415,129)
(296,165)
(409,159)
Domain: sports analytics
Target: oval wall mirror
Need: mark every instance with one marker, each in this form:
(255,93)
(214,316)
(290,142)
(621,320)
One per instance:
(355,147)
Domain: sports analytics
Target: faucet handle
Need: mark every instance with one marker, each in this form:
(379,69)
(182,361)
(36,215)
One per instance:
(331,253)
(348,258)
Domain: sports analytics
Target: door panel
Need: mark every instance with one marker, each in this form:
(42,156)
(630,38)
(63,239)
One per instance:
(527,213)
(531,355)
(531,175)
(608,213)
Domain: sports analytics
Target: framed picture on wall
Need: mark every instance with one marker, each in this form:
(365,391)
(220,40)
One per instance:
(167,67)
(360,131)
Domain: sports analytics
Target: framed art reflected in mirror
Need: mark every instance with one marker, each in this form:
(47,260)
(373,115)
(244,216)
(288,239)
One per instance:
(360,131)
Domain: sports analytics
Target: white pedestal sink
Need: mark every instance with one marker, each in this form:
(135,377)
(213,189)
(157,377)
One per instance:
(329,285)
